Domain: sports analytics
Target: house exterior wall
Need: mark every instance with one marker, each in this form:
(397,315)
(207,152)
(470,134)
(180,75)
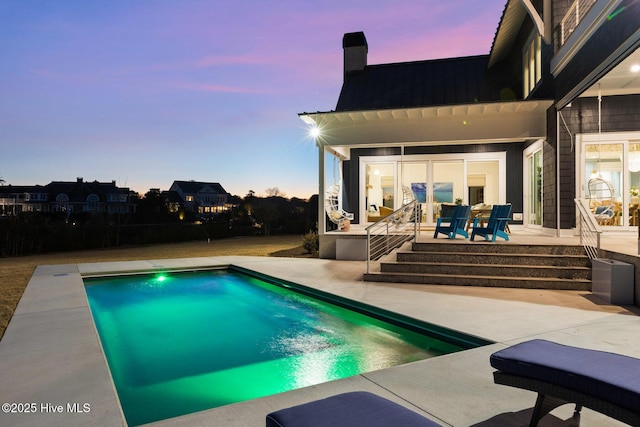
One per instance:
(513,162)
(619,114)
(613,34)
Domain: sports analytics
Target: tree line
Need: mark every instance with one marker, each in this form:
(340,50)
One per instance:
(153,222)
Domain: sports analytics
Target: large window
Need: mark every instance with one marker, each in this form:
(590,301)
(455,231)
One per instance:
(532,64)
(434,179)
(610,177)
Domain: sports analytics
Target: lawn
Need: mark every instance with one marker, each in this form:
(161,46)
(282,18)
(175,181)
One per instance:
(16,272)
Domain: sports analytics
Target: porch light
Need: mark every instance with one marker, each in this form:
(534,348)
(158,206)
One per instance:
(314,132)
(635,68)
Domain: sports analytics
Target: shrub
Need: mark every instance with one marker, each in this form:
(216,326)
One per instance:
(310,242)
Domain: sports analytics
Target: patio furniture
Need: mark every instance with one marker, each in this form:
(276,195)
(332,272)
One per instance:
(446,211)
(498,221)
(407,195)
(455,224)
(332,207)
(601,200)
(357,408)
(481,211)
(376,214)
(608,383)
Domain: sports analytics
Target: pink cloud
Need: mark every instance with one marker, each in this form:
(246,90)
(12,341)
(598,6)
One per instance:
(207,87)
(213,60)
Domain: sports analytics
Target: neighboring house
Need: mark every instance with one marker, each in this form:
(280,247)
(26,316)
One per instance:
(204,199)
(556,100)
(68,197)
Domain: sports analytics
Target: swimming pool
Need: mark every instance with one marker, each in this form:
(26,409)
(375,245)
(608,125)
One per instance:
(183,342)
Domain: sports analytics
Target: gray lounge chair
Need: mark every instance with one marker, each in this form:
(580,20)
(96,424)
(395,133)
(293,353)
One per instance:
(351,409)
(608,383)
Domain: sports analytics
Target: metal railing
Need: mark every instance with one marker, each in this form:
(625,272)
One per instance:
(392,231)
(576,13)
(590,231)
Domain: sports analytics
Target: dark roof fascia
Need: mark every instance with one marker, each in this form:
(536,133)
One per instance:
(513,16)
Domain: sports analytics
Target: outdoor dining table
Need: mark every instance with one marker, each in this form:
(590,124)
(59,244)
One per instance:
(483,215)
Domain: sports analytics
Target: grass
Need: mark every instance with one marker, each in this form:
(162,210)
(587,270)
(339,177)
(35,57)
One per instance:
(16,272)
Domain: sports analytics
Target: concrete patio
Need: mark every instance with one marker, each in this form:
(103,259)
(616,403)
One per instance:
(51,354)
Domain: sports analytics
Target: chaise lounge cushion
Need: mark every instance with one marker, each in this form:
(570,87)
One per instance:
(607,376)
(352,409)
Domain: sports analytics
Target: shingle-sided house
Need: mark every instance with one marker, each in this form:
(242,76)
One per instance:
(202,198)
(555,101)
(69,197)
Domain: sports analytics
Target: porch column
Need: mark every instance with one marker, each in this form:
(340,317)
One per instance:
(322,218)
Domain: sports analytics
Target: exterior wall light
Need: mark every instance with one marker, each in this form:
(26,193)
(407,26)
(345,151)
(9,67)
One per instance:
(314,132)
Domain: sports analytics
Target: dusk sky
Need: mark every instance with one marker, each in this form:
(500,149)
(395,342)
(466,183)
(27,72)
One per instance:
(145,92)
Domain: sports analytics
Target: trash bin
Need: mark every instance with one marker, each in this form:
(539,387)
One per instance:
(612,280)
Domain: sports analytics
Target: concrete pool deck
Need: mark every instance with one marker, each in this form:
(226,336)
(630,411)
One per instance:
(50,355)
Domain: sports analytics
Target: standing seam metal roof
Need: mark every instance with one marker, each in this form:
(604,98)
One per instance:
(420,84)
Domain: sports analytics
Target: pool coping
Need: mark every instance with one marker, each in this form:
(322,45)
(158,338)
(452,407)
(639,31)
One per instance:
(51,355)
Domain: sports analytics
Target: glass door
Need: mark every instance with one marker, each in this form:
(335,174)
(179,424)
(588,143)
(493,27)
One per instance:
(434,184)
(380,190)
(447,185)
(603,180)
(533,197)
(435,180)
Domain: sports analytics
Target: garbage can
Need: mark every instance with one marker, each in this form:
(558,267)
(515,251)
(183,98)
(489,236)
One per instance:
(612,280)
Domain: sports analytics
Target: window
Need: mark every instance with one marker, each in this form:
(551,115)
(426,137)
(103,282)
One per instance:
(61,202)
(532,64)
(92,201)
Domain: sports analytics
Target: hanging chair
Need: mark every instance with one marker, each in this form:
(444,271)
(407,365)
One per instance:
(407,195)
(332,207)
(601,200)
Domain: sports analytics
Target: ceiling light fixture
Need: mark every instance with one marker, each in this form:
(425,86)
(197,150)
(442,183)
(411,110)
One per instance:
(635,68)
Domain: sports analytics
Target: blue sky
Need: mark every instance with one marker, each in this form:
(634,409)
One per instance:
(145,92)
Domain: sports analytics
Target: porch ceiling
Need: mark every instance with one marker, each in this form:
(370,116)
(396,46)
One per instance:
(443,125)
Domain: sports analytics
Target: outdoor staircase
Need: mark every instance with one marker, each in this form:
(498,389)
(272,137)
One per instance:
(487,264)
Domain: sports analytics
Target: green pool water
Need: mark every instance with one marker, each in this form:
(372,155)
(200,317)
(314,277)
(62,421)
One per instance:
(186,342)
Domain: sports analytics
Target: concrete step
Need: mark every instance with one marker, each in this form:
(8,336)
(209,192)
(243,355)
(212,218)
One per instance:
(482,269)
(495,258)
(487,281)
(466,246)
(507,265)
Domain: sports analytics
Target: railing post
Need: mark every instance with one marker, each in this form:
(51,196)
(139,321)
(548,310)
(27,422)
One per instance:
(368,249)
(415,222)
(387,239)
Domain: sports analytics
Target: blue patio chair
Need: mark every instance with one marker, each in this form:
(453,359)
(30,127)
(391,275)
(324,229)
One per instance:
(498,221)
(454,224)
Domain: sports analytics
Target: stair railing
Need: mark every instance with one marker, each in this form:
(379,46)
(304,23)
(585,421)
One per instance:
(589,228)
(392,231)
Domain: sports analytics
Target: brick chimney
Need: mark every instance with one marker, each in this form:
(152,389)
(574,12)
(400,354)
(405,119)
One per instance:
(355,52)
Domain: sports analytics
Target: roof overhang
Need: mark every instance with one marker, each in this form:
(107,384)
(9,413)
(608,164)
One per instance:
(512,18)
(513,121)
